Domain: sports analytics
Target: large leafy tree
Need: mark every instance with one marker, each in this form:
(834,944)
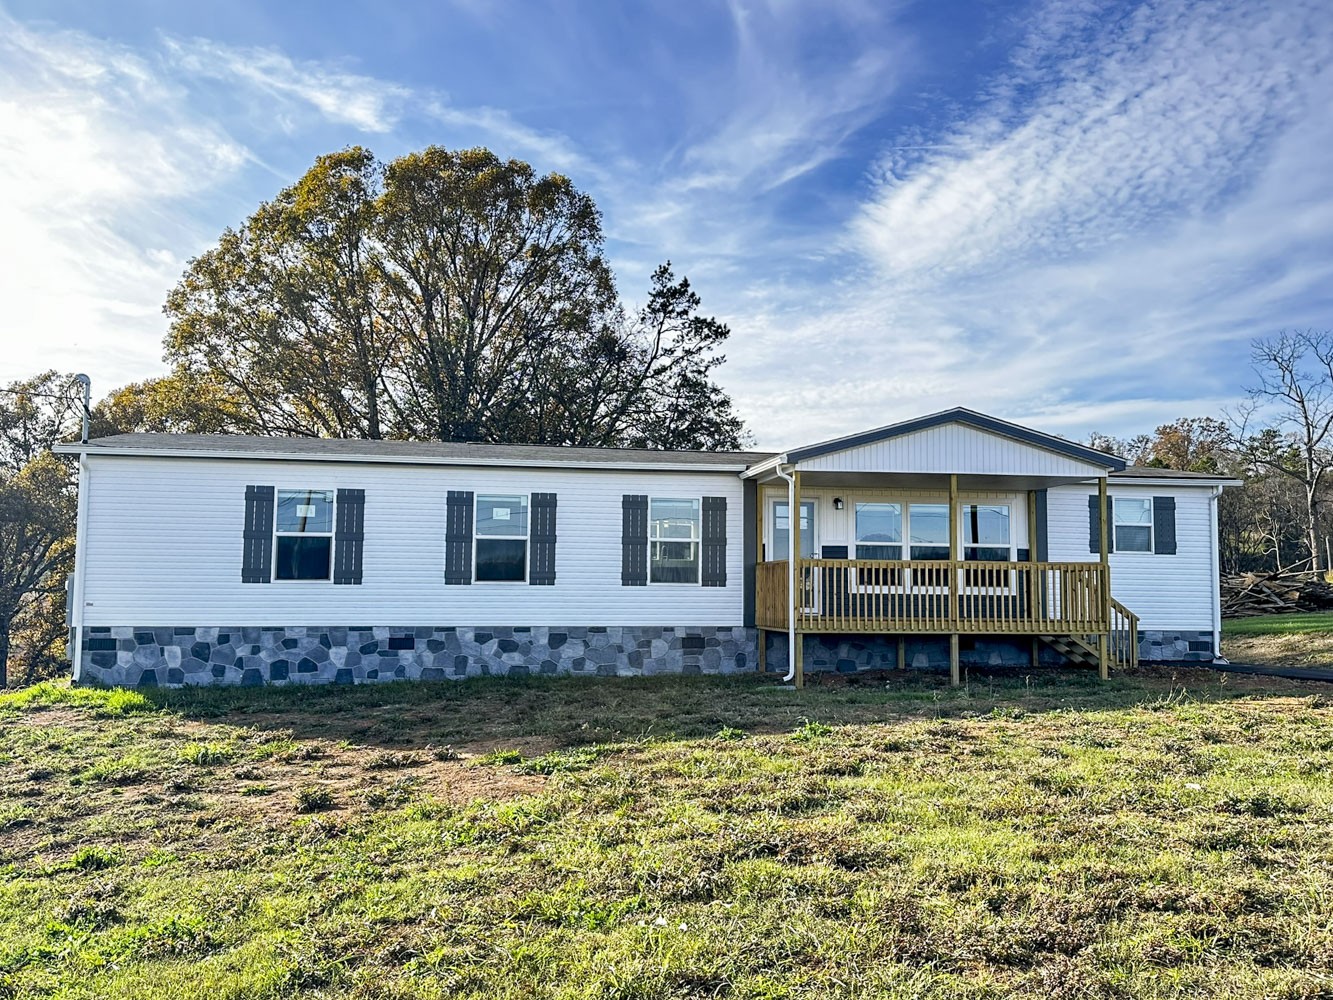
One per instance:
(445,295)
(37,511)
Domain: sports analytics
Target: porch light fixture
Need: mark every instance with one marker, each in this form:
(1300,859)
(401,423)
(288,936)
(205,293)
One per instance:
(837,503)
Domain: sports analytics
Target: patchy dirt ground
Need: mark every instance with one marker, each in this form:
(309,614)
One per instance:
(1300,649)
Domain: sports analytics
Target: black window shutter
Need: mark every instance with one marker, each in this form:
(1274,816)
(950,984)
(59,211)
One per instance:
(542,540)
(257,552)
(1037,532)
(633,541)
(714,548)
(1164,525)
(458,537)
(349,536)
(1095,525)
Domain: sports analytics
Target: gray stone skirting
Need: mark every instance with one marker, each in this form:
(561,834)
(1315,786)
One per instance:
(148,656)
(1176,646)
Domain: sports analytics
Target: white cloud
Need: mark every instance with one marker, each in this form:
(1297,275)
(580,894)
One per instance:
(280,83)
(94,150)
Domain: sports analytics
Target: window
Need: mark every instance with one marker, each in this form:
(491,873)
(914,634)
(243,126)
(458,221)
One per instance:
(986,532)
(501,528)
(1133,524)
(673,541)
(879,531)
(303,536)
(782,531)
(928,527)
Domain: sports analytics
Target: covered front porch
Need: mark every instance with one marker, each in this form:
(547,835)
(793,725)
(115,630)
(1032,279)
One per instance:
(937,530)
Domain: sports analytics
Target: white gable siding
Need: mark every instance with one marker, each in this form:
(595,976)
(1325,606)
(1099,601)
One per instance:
(164,548)
(1165,591)
(951,448)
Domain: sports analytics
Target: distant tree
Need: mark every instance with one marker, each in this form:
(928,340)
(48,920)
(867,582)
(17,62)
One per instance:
(37,510)
(1295,391)
(1192,444)
(181,403)
(1135,450)
(443,295)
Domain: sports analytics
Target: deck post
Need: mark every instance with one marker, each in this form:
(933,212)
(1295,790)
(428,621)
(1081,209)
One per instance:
(1103,654)
(763,651)
(800,659)
(1034,573)
(955,529)
(954,674)
(1036,652)
(902,653)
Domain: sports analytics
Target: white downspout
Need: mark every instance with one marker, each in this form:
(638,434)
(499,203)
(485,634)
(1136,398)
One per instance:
(1215,563)
(80,565)
(793,511)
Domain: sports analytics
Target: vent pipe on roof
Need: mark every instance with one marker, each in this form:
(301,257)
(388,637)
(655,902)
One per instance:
(87,384)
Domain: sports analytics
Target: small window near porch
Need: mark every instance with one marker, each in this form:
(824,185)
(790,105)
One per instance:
(879,531)
(1133,524)
(986,535)
(673,541)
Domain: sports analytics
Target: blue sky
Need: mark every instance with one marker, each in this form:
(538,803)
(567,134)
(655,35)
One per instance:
(1071,214)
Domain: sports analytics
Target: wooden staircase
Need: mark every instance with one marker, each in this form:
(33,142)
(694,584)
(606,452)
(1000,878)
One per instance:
(1122,641)
(1073,648)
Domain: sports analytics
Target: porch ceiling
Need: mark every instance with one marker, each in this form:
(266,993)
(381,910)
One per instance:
(926,481)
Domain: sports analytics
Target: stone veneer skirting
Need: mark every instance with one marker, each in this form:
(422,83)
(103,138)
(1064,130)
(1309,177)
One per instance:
(147,656)
(154,656)
(1179,645)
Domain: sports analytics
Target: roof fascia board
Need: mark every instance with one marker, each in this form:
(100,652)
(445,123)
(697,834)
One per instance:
(1175,481)
(980,421)
(273,456)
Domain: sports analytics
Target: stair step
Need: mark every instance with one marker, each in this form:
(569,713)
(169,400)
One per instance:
(1072,648)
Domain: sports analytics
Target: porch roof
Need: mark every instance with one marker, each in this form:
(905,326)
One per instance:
(983,450)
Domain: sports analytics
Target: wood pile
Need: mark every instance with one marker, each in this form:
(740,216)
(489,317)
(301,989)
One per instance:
(1248,594)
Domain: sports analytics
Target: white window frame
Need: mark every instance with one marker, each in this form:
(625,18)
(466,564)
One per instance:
(526,537)
(771,528)
(1151,526)
(330,534)
(698,541)
(854,585)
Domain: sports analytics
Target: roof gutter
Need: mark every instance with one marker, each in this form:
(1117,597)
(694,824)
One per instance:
(793,505)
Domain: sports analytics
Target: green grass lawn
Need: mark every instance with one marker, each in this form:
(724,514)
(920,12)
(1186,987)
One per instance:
(1278,624)
(1041,836)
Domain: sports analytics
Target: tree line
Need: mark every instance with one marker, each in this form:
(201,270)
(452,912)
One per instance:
(454,296)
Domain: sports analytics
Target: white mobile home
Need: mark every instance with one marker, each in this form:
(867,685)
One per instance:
(952,540)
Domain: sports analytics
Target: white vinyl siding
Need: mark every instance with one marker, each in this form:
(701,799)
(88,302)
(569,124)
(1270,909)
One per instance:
(952,448)
(1165,591)
(164,548)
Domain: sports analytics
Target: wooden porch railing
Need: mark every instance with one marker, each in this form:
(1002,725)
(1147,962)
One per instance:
(1124,637)
(924,596)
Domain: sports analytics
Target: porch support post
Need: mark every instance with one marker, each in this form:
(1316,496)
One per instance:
(763,650)
(797,576)
(1034,574)
(902,653)
(1103,653)
(954,673)
(955,528)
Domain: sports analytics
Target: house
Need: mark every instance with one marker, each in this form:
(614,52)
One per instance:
(951,540)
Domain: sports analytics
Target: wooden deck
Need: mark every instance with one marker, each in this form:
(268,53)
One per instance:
(939,596)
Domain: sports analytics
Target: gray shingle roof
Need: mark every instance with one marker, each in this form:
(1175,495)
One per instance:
(1150,472)
(445,453)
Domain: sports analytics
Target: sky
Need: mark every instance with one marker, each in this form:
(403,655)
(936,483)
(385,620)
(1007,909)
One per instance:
(1075,214)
